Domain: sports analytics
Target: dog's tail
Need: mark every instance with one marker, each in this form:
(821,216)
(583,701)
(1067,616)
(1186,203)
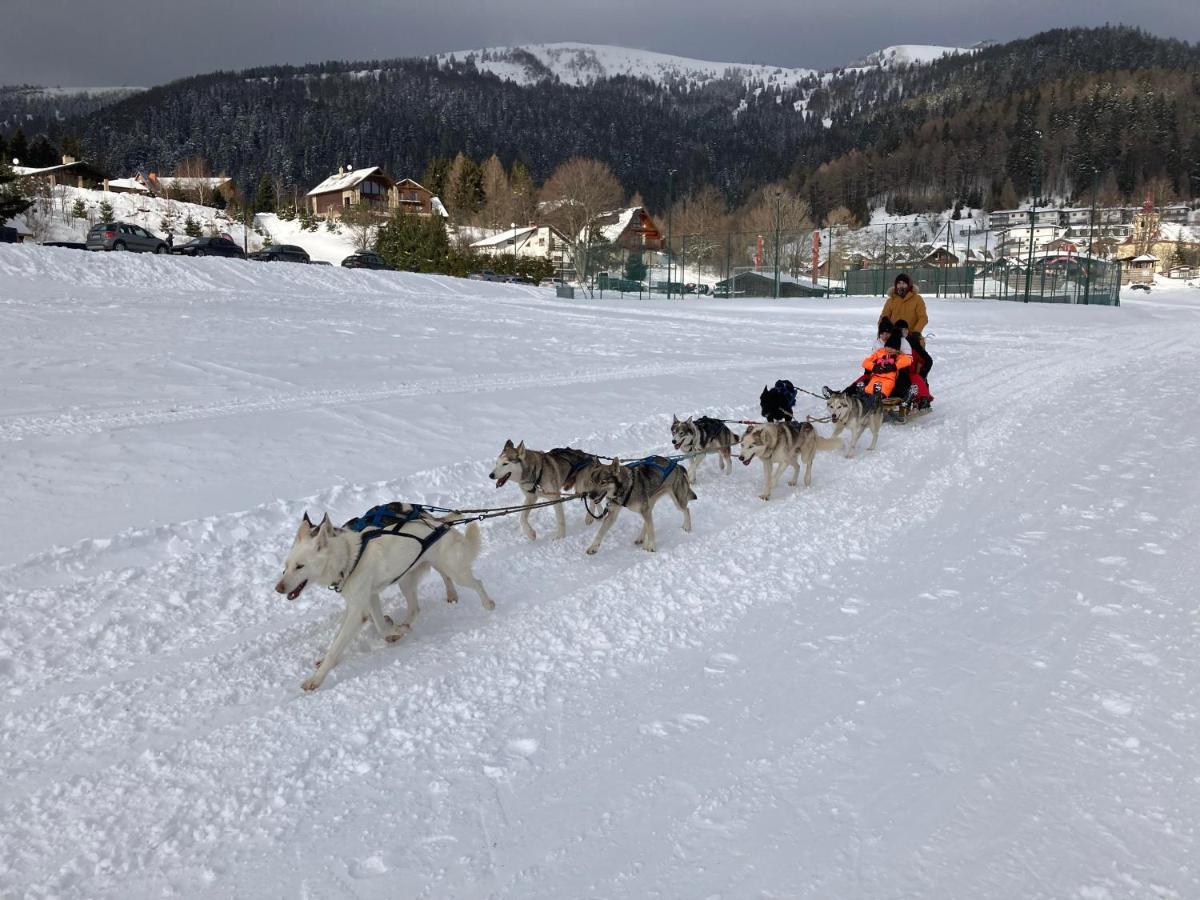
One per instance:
(829,443)
(474,539)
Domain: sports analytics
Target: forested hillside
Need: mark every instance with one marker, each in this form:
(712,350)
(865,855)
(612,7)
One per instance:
(1112,106)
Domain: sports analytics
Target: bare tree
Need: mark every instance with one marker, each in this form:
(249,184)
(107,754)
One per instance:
(197,171)
(783,219)
(497,194)
(701,221)
(580,190)
(362,221)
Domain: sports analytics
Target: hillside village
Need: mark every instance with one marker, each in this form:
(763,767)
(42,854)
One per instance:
(627,245)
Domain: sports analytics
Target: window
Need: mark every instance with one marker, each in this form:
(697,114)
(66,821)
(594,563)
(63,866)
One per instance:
(370,188)
(410,197)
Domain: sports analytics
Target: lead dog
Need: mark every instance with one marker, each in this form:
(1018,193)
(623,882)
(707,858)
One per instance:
(853,410)
(544,474)
(638,486)
(359,564)
(703,436)
(781,444)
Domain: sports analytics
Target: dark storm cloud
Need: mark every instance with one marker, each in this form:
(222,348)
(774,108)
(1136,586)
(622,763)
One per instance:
(112,42)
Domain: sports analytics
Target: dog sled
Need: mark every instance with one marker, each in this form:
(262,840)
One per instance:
(901,410)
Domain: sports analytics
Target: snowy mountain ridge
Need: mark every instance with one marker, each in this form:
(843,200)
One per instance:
(581,64)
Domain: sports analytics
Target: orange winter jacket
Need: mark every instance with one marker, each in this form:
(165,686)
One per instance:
(887,379)
(910,308)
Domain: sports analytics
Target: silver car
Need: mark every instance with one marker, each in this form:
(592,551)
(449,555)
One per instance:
(123,236)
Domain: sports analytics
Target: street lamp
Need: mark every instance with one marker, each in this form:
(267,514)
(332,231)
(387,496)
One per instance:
(512,240)
(778,229)
(670,212)
(1036,199)
(1087,284)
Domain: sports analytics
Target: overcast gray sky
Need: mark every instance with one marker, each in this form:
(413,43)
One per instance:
(143,42)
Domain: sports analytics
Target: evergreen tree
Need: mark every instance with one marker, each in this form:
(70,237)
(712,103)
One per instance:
(416,244)
(219,201)
(12,201)
(79,211)
(436,174)
(106,211)
(464,188)
(264,197)
(192,228)
(42,153)
(18,148)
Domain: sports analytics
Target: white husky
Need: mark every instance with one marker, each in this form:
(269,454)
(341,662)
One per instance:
(361,563)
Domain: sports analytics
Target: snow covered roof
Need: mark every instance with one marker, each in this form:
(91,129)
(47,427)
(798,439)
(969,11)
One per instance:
(439,207)
(1145,257)
(343,181)
(611,231)
(504,237)
(128,184)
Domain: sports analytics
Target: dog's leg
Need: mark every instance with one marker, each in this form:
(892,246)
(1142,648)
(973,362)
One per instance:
(560,518)
(855,434)
(464,576)
(725,459)
(795,479)
(609,518)
(408,587)
(682,506)
(641,538)
(808,461)
(648,542)
(526,528)
(451,590)
(876,421)
(351,623)
(383,624)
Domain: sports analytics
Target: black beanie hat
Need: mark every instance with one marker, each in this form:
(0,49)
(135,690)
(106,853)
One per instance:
(893,341)
(903,276)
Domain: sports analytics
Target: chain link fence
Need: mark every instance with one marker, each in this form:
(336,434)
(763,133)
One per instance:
(962,262)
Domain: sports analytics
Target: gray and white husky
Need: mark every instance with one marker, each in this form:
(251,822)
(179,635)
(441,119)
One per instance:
(856,411)
(638,487)
(540,474)
(783,444)
(360,569)
(703,436)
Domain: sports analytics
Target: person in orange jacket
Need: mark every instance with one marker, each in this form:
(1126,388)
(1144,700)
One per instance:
(884,366)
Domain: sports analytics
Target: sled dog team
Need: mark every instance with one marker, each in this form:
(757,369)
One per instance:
(400,542)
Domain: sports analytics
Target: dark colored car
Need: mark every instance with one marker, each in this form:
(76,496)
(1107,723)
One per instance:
(365,259)
(281,253)
(124,236)
(210,246)
(69,245)
(485,275)
(1140,286)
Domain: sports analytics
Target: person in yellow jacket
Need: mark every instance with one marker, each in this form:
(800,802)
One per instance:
(905,303)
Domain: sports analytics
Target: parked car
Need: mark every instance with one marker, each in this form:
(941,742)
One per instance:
(1140,286)
(365,259)
(209,246)
(124,236)
(281,253)
(485,275)
(69,245)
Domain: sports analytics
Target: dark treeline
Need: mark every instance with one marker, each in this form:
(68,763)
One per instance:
(974,129)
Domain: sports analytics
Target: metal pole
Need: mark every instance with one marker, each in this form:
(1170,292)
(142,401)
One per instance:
(1087,283)
(829,261)
(1037,189)
(778,228)
(879,287)
(670,214)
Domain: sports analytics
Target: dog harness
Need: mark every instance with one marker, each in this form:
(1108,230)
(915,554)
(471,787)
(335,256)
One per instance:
(663,466)
(709,429)
(387,520)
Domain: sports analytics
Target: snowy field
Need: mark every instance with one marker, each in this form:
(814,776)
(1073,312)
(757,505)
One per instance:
(964,665)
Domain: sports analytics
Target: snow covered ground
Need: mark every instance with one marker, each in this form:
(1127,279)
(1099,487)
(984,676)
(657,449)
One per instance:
(963,665)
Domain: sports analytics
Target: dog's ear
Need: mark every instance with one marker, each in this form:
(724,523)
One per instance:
(521,449)
(616,464)
(324,531)
(305,526)
(826,392)
(674,419)
(689,420)
(508,445)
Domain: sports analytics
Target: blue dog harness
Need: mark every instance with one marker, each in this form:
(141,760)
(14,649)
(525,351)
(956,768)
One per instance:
(389,519)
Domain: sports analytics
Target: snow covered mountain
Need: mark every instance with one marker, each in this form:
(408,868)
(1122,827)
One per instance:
(580,64)
(909,54)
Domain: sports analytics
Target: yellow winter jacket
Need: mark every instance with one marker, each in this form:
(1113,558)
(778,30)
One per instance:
(910,308)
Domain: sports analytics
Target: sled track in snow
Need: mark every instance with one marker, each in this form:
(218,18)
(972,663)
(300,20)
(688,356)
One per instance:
(16,428)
